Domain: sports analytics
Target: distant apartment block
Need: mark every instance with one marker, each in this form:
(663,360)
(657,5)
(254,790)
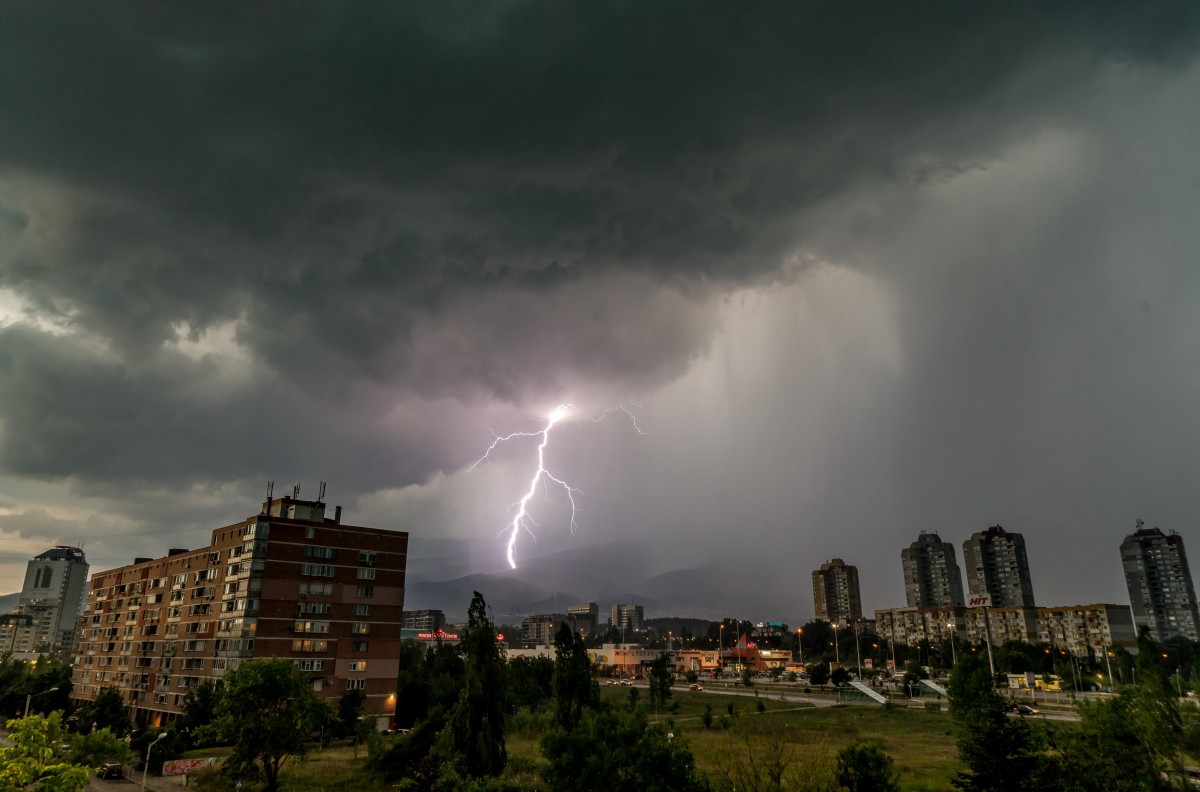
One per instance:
(931,575)
(996,564)
(1085,631)
(1161,592)
(540,629)
(583,618)
(51,597)
(288,582)
(835,593)
(628,618)
(425,620)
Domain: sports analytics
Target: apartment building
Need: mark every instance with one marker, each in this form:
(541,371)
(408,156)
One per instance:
(996,564)
(287,582)
(1161,591)
(931,575)
(836,597)
(584,617)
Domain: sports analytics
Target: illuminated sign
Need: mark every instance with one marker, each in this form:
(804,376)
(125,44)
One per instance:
(981,601)
(442,634)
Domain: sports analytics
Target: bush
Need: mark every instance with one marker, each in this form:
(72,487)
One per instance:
(864,767)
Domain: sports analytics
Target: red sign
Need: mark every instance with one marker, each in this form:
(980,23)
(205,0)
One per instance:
(982,601)
(439,634)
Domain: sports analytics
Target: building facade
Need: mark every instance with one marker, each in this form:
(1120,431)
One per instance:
(584,617)
(285,583)
(931,575)
(996,564)
(425,620)
(540,628)
(835,593)
(1084,631)
(628,618)
(1161,592)
(51,597)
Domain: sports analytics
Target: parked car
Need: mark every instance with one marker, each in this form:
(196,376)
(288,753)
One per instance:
(1023,709)
(110,771)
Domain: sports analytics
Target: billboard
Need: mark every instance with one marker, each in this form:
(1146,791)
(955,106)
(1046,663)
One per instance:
(979,601)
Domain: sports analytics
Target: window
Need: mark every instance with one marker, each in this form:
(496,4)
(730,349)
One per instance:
(310,532)
(358,646)
(320,552)
(365,591)
(366,557)
(360,628)
(322,608)
(366,574)
(310,665)
(362,609)
(310,646)
(311,627)
(316,570)
(358,665)
(356,684)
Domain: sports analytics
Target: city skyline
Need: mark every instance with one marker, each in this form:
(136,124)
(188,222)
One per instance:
(860,271)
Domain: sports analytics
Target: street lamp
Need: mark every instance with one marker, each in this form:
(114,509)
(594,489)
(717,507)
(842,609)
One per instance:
(953,651)
(146,767)
(800,642)
(31,697)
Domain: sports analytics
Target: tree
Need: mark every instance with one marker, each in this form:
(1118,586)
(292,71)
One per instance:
(530,681)
(108,711)
(32,757)
(661,679)
(618,751)
(1001,754)
(477,721)
(864,767)
(1108,751)
(349,710)
(268,711)
(818,673)
(99,747)
(839,677)
(199,709)
(574,688)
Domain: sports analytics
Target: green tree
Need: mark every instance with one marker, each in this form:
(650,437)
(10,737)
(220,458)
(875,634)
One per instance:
(864,767)
(661,678)
(199,709)
(268,711)
(32,760)
(1001,754)
(1107,751)
(108,711)
(618,751)
(839,677)
(530,681)
(349,711)
(818,673)
(574,688)
(99,747)
(477,720)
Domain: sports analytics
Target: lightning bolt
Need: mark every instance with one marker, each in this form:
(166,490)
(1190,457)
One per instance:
(522,521)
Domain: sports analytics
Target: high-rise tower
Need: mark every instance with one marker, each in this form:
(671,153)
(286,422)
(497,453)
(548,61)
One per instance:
(931,575)
(51,598)
(1161,592)
(996,564)
(835,592)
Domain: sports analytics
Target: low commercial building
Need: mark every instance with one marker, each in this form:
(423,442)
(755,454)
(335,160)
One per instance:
(285,583)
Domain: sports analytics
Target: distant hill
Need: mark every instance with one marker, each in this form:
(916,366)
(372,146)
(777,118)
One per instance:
(9,601)
(604,574)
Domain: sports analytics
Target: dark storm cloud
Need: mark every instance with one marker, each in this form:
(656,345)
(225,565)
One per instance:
(397,206)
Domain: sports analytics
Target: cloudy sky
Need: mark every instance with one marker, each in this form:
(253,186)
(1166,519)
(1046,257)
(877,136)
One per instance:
(865,269)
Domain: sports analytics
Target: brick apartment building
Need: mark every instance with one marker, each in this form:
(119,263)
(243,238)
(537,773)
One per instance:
(288,582)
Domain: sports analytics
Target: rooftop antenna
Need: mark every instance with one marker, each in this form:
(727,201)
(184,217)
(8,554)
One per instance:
(321,495)
(270,489)
(296,491)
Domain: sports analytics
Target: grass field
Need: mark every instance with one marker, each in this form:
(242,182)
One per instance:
(804,737)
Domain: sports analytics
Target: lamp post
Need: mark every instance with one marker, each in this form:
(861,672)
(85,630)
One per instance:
(149,748)
(800,643)
(31,697)
(953,651)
